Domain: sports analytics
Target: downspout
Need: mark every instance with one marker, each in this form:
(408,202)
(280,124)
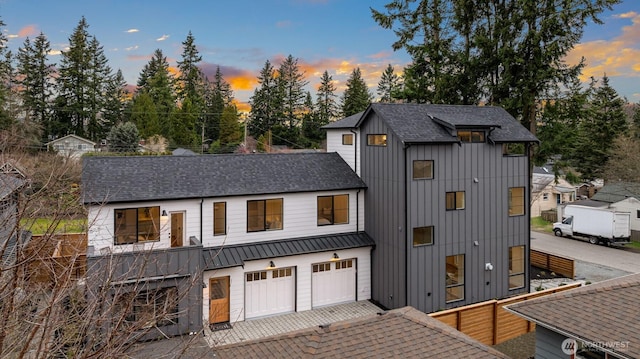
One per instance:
(201,217)
(358,210)
(406,231)
(355,153)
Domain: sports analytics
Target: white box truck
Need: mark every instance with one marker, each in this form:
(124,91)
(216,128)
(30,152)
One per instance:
(598,225)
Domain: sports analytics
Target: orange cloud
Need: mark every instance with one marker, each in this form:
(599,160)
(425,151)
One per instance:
(29,30)
(242,82)
(618,57)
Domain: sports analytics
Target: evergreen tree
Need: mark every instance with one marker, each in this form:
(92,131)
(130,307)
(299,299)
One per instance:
(116,98)
(230,131)
(123,137)
(36,82)
(158,83)
(356,97)
(326,100)
(6,83)
(145,115)
(293,82)
(636,120)
(190,80)
(312,133)
(217,96)
(100,77)
(183,126)
(388,86)
(266,102)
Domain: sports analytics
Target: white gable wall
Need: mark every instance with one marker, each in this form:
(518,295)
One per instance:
(632,206)
(303,270)
(348,152)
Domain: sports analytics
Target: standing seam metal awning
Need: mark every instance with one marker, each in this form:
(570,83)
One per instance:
(236,255)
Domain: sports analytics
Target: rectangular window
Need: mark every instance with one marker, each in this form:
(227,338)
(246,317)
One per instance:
(455,278)
(513,149)
(377,140)
(321,267)
(455,200)
(135,225)
(344,264)
(516,267)
(219,218)
(264,215)
(347,139)
(281,273)
(333,209)
(471,136)
(422,236)
(256,276)
(423,169)
(545,196)
(516,201)
(638,213)
(150,308)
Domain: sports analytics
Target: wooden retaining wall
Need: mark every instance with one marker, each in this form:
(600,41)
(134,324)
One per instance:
(488,322)
(550,262)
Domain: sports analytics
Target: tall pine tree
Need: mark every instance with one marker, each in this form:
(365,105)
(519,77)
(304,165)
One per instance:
(356,97)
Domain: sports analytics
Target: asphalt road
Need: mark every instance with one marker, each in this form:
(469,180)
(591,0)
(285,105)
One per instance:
(607,258)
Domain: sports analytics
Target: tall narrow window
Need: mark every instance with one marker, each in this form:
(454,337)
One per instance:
(455,278)
(377,140)
(422,236)
(333,209)
(134,225)
(516,267)
(219,218)
(516,201)
(347,139)
(422,169)
(264,215)
(455,200)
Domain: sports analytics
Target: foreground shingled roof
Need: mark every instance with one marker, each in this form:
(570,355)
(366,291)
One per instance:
(399,333)
(603,312)
(146,178)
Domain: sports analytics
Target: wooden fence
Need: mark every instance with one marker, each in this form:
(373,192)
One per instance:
(57,258)
(488,322)
(560,265)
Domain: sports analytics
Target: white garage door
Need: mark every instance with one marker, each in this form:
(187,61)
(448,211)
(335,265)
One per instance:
(270,292)
(333,282)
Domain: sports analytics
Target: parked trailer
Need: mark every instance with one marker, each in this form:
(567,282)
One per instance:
(598,225)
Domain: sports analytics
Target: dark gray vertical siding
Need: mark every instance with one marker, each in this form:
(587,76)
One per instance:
(485,219)
(383,172)
(549,344)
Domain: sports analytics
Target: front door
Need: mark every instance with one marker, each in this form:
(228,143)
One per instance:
(177,229)
(219,300)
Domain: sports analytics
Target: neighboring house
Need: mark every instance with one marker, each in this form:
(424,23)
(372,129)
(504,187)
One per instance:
(446,201)
(399,333)
(600,320)
(549,191)
(623,197)
(71,146)
(274,233)
(12,183)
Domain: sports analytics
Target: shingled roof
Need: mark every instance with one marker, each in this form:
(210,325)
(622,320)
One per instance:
(426,123)
(603,312)
(347,122)
(142,178)
(236,255)
(613,192)
(400,333)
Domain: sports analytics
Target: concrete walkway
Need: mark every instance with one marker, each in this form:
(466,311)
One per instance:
(269,326)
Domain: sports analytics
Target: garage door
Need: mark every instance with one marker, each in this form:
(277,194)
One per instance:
(270,292)
(333,282)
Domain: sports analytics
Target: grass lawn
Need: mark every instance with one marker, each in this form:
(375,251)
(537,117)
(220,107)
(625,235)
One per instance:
(40,226)
(540,225)
(633,244)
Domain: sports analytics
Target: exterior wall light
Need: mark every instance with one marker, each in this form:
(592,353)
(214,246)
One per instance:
(271,265)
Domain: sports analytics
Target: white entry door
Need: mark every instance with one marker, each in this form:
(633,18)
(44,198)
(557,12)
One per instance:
(270,292)
(333,282)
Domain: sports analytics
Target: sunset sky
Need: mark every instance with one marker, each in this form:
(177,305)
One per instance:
(240,35)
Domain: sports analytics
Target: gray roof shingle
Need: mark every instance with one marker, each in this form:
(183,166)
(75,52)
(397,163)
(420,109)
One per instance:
(426,123)
(347,122)
(399,333)
(144,178)
(583,312)
(236,255)
(613,192)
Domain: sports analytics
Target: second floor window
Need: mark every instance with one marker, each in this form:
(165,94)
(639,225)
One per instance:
(422,236)
(135,225)
(264,215)
(333,209)
(219,218)
(347,139)
(455,200)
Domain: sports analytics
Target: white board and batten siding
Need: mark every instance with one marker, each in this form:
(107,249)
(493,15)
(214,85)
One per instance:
(300,218)
(302,270)
(102,222)
(347,152)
